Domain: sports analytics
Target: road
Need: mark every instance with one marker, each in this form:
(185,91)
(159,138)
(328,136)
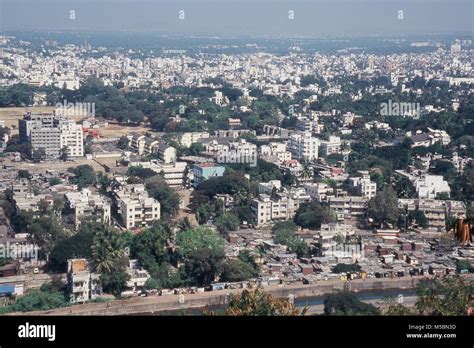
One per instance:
(153,304)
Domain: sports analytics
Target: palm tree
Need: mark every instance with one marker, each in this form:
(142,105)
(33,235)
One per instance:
(106,251)
(261,251)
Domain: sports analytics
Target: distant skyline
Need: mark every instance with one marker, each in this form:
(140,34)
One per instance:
(242,17)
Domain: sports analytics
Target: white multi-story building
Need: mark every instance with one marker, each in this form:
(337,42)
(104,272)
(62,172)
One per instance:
(268,187)
(303,146)
(85,204)
(173,173)
(50,134)
(333,145)
(320,192)
(82,283)
(238,152)
(266,208)
(366,187)
(135,207)
(349,207)
(275,152)
(430,186)
(187,139)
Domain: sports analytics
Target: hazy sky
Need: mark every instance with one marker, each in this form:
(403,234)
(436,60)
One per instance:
(248,17)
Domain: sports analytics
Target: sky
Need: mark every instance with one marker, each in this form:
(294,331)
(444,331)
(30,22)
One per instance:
(242,17)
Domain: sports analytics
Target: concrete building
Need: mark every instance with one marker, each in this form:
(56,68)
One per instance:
(333,145)
(173,173)
(436,211)
(167,154)
(320,192)
(303,146)
(86,204)
(275,152)
(238,152)
(348,208)
(138,278)
(266,208)
(205,171)
(135,207)
(187,139)
(430,186)
(83,285)
(366,187)
(49,134)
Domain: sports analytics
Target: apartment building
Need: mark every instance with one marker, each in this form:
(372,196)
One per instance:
(204,171)
(275,152)
(266,208)
(303,146)
(135,207)
(239,151)
(430,186)
(366,187)
(435,210)
(333,145)
(83,284)
(86,204)
(187,139)
(174,173)
(349,207)
(320,192)
(49,134)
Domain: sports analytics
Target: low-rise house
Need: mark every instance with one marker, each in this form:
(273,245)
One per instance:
(138,277)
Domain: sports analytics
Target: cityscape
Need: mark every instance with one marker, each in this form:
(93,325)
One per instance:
(222,175)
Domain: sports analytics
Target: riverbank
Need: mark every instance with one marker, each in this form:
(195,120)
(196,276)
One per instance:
(156,304)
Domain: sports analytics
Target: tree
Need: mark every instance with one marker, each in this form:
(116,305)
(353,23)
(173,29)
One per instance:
(418,217)
(64,154)
(450,296)
(312,215)
(45,298)
(54,181)
(122,143)
(196,239)
(76,246)
(236,270)
(347,303)
(227,222)
(150,247)
(115,282)
(404,188)
(446,296)
(256,302)
(283,232)
(383,208)
(203,265)
(168,198)
(195,149)
(24,174)
(107,250)
(345,268)
(46,232)
(84,176)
